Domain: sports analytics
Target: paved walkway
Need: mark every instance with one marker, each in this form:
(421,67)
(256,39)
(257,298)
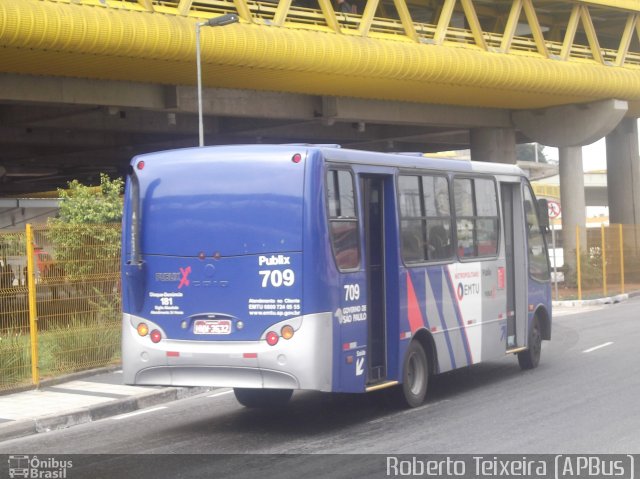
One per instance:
(79,401)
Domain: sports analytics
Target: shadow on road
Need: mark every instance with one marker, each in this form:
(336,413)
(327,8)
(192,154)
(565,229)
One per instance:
(314,413)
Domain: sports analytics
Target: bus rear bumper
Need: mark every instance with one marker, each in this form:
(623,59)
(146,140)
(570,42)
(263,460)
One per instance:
(303,362)
(218,376)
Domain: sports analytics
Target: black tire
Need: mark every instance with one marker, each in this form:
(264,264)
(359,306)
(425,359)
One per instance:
(262,398)
(530,358)
(415,377)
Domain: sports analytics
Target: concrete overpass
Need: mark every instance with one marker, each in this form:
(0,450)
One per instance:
(86,84)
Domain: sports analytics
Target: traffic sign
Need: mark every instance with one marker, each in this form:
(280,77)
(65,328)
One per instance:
(554,208)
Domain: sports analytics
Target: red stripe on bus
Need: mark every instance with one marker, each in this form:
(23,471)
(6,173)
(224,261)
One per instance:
(415,315)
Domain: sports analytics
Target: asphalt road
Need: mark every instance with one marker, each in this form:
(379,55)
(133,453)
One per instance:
(579,400)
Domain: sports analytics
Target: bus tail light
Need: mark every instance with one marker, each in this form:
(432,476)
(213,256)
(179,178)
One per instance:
(272,338)
(155,336)
(142,329)
(286,332)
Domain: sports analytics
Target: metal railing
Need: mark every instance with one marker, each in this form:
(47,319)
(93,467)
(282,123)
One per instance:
(60,300)
(607,264)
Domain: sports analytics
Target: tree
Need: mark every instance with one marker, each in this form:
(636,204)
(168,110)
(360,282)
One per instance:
(86,235)
(527,152)
(83,204)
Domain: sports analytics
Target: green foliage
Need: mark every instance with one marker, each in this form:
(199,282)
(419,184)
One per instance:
(12,244)
(590,269)
(80,344)
(527,152)
(83,204)
(86,243)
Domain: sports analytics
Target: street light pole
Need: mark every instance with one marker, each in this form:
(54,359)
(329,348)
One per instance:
(220,21)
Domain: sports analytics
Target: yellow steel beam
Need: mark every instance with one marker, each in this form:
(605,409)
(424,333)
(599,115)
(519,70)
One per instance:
(243,10)
(147,5)
(590,31)
(329,15)
(184,7)
(628,5)
(443,21)
(625,41)
(367,17)
(512,24)
(474,23)
(281,12)
(570,33)
(536,31)
(405,18)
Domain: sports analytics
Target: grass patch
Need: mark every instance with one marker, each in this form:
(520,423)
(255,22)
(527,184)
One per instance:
(77,345)
(15,360)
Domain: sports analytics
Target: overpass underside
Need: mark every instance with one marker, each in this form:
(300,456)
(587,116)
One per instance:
(93,82)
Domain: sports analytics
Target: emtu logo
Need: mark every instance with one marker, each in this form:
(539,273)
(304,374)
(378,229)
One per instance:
(184,281)
(467,289)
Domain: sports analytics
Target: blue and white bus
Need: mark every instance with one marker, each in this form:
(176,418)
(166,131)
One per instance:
(269,269)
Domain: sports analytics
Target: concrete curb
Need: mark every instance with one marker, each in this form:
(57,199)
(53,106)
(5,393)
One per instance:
(27,427)
(593,302)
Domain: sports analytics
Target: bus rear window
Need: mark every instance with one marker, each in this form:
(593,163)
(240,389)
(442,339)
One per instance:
(343,222)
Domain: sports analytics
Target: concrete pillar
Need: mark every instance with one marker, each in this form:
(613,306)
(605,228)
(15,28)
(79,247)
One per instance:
(572,201)
(623,173)
(496,145)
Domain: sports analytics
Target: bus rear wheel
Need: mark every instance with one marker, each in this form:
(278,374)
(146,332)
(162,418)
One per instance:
(262,398)
(415,377)
(530,358)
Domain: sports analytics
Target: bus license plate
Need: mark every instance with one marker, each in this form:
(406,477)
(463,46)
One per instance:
(212,326)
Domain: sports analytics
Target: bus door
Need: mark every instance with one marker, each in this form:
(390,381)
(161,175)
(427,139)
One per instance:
(508,192)
(373,199)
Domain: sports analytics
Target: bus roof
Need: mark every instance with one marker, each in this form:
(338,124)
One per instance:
(401,160)
(335,153)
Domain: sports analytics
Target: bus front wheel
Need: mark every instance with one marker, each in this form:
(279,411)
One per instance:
(262,398)
(530,358)
(415,376)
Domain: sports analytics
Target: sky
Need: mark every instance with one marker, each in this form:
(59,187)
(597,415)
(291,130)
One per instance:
(594,156)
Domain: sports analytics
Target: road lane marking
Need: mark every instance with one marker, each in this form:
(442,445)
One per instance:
(137,413)
(598,347)
(220,394)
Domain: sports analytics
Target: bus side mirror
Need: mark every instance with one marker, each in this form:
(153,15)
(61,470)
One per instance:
(543,214)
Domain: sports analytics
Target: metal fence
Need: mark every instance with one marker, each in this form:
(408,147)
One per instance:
(607,265)
(60,300)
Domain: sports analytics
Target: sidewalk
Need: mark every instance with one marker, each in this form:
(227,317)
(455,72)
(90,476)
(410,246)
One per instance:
(78,401)
(571,303)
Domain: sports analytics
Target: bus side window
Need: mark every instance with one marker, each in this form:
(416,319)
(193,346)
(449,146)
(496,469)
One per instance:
(476,217)
(343,222)
(425,222)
